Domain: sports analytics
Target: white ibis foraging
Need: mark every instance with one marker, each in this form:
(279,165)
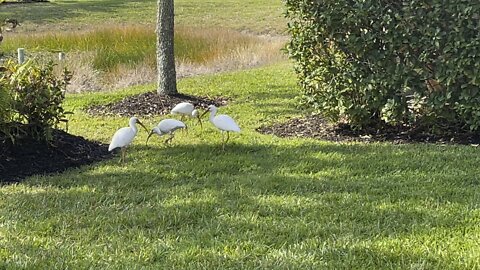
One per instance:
(124,136)
(223,122)
(167,126)
(186,109)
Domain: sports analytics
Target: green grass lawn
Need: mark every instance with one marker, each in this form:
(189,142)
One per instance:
(264,203)
(260,16)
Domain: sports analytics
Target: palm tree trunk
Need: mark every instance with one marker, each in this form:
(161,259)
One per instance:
(167,81)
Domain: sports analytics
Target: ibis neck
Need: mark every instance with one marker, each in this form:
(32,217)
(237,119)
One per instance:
(212,116)
(134,127)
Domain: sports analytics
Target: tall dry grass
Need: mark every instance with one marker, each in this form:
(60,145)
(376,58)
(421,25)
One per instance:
(109,57)
(261,50)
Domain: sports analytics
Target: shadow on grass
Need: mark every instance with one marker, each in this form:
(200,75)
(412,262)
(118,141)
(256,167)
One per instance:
(275,100)
(341,205)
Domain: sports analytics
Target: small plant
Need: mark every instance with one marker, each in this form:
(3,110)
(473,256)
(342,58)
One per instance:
(5,108)
(36,96)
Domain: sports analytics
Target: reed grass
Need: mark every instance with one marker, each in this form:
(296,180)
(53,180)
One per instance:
(133,44)
(117,53)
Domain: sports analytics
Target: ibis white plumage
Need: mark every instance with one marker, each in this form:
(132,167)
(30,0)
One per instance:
(167,126)
(124,136)
(223,122)
(186,109)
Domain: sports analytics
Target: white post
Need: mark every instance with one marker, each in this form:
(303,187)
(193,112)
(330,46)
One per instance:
(61,56)
(21,55)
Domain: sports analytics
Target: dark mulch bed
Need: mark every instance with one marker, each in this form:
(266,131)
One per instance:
(148,104)
(29,157)
(24,2)
(317,127)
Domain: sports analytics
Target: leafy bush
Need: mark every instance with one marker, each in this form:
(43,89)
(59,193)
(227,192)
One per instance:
(36,97)
(399,62)
(5,106)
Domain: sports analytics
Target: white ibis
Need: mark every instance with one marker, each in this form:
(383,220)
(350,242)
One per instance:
(124,136)
(167,126)
(223,122)
(186,109)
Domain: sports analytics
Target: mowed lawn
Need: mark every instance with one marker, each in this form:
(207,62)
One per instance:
(258,16)
(264,203)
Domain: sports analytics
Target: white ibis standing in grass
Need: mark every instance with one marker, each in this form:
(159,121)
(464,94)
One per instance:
(124,136)
(223,122)
(186,109)
(167,126)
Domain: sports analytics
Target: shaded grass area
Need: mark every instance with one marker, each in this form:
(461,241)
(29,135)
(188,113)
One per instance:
(265,202)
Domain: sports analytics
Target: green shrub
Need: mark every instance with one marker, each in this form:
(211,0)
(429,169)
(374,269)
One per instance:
(399,62)
(36,97)
(5,106)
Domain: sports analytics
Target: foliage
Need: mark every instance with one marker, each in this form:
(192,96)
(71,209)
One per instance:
(36,96)
(397,62)
(5,105)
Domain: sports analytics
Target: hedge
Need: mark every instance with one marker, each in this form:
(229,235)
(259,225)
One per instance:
(389,62)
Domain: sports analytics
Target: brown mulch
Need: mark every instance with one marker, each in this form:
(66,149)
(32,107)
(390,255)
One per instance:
(148,104)
(23,2)
(29,157)
(317,127)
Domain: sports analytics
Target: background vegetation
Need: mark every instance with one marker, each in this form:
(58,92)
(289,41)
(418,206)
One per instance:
(112,46)
(105,56)
(259,16)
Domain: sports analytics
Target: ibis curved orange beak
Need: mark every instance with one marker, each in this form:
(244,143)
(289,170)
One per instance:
(141,124)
